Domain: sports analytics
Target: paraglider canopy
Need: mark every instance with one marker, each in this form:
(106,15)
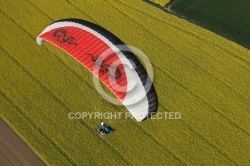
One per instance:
(98,50)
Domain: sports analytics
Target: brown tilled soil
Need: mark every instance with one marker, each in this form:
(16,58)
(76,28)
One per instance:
(13,150)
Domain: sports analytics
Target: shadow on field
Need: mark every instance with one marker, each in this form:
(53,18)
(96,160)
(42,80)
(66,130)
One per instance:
(156,4)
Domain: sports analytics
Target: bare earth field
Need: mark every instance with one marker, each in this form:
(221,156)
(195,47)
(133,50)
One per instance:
(13,150)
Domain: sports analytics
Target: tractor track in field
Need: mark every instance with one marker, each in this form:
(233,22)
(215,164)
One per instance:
(61,103)
(92,87)
(186,88)
(37,8)
(36,127)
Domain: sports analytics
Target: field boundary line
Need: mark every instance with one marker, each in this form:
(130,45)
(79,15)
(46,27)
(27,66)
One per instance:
(179,28)
(36,127)
(242,44)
